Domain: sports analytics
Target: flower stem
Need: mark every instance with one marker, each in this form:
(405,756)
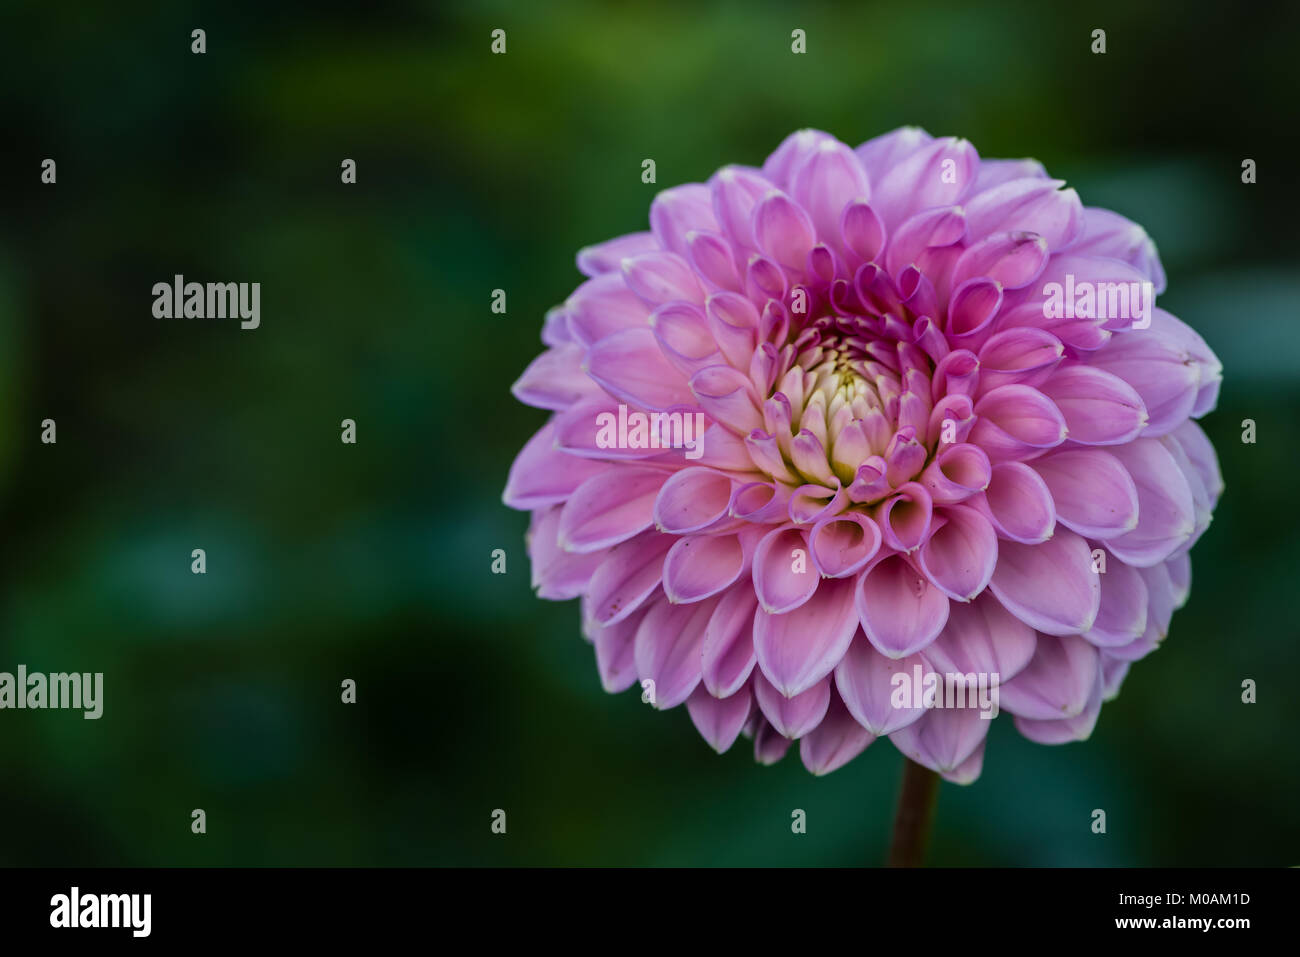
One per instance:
(915,812)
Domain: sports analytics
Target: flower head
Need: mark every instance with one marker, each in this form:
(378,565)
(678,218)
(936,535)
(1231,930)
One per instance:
(860,421)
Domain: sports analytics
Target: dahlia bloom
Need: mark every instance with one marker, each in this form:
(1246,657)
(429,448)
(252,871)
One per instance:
(910,458)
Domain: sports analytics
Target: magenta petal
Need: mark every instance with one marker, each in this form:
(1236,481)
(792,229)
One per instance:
(869,683)
(728,651)
(1093,493)
(667,648)
(700,566)
(798,649)
(835,742)
(719,720)
(943,738)
(692,499)
(610,508)
(1056,684)
(982,637)
(784,575)
(901,611)
(632,367)
(1166,512)
(1099,408)
(793,717)
(1050,586)
(628,576)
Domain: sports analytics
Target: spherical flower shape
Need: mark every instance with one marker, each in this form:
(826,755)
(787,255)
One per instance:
(859,421)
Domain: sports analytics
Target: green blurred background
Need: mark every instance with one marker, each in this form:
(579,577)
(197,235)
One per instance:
(372,561)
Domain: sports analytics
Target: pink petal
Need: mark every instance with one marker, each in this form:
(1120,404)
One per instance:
(867,681)
(901,611)
(555,380)
(1031,204)
(1166,512)
(1094,494)
(784,575)
(835,742)
(798,649)
(677,211)
(1122,618)
(667,648)
(728,651)
(615,658)
(1018,504)
(629,575)
(783,230)
(631,367)
(663,277)
(1014,420)
(829,178)
(542,475)
(700,566)
(1050,586)
(719,720)
(605,257)
(842,544)
(692,499)
(1099,408)
(944,738)
(961,552)
(982,637)
(1056,684)
(609,508)
(603,306)
(793,717)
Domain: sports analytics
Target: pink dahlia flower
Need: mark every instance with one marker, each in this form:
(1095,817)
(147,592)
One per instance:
(863,413)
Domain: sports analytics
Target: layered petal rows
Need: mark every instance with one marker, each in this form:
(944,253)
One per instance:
(849,416)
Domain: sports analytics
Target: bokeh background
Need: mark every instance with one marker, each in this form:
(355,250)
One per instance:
(372,561)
